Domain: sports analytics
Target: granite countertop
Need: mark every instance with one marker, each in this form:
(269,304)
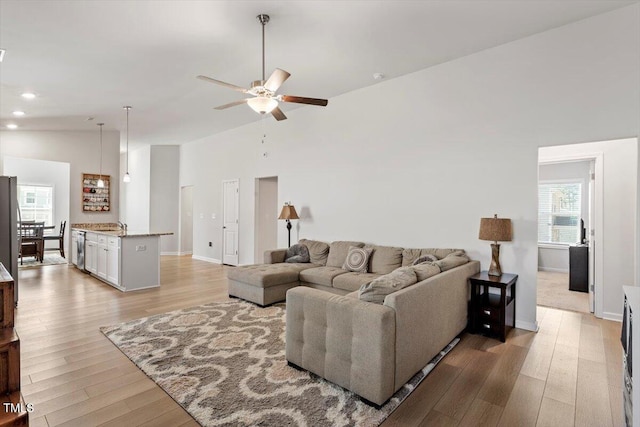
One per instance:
(111,229)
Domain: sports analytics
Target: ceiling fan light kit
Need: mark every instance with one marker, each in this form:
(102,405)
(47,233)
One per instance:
(264,99)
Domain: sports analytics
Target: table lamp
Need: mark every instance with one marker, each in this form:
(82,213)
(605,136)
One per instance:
(497,230)
(288,213)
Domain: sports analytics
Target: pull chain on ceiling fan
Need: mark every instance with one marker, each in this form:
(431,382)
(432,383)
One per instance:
(264,99)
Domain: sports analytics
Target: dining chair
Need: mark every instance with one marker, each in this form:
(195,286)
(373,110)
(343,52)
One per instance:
(32,236)
(59,238)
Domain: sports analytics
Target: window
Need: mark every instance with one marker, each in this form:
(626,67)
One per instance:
(559,212)
(36,203)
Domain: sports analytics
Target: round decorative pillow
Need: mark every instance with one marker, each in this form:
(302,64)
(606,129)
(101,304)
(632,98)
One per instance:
(357,259)
(297,253)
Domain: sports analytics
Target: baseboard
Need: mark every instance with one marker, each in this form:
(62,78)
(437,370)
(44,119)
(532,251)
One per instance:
(207,259)
(616,317)
(527,325)
(553,270)
(185,253)
(170,253)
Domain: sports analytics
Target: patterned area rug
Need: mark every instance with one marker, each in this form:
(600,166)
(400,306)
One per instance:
(224,363)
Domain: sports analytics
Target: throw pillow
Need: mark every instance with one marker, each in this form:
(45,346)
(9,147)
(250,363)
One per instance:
(379,288)
(451,261)
(297,253)
(426,270)
(357,259)
(425,258)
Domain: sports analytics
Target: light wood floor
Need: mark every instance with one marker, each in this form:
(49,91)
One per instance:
(569,373)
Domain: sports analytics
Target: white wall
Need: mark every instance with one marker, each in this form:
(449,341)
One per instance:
(416,161)
(186,220)
(137,193)
(44,172)
(164,210)
(81,149)
(151,199)
(618,235)
(556,257)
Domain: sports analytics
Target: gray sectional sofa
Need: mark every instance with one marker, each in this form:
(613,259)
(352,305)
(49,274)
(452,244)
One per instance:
(371,349)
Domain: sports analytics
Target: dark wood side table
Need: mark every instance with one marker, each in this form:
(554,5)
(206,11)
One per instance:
(493,314)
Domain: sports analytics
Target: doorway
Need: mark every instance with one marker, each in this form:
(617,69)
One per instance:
(186,220)
(230,216)
(266,216)
(570,211)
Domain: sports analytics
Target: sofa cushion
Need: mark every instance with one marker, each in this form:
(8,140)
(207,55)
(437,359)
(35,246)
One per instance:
(425,270)
(297,253)
(357,259)
(385,259)
(410,255)
(379,288)
(451,261)
(318,251)
(266,275)
(321,275)
(353,281)
(338,252)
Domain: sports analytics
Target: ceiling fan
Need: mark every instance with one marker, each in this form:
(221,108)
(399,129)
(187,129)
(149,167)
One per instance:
(264,99)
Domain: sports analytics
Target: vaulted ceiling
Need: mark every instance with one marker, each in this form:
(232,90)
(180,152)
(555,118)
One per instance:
(87,59)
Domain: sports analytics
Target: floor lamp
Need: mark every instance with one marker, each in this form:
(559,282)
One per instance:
(288,213)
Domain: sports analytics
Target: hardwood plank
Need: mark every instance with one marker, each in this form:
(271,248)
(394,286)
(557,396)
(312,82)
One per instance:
(438,419)
(143,414)
(497,388)
(93,404)
(524,403)
(99,416)
(554,413)
(173,417)
(616,400)
(424,397)
(481,413)
(458,398)
(563,375)
(592,401)
(538,360)
(591,345)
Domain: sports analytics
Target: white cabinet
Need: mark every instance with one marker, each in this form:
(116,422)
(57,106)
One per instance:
(74,247)
(91,253)
(101,268)
(113,260)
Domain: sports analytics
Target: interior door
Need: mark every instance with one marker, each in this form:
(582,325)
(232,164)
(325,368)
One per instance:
(591,236)
(230,202)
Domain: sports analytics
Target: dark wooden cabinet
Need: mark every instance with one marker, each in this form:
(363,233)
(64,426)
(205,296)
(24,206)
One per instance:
(579,268)
(493,313)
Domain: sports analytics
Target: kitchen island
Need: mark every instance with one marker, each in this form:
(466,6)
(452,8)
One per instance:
(126,260)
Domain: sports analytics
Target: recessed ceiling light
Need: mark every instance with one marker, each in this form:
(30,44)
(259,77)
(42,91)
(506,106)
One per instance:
(12,126)
(2,52)
(18,113)
(29,95)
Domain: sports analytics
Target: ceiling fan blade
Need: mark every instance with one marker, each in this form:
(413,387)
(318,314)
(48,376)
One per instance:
(278,114)
(303,100)
(276,79)
(232,104)
(221,83)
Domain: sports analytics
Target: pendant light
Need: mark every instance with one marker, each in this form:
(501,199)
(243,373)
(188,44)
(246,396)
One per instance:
(127,177)
(100,181)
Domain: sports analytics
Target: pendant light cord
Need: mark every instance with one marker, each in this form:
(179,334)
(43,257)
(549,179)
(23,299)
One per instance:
(100,124)
(263,24)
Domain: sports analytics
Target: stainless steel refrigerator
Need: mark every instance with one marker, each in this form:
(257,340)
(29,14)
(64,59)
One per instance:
(9,235)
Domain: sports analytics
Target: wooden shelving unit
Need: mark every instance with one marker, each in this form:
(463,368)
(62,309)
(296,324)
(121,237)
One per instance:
(95,199)
(14,410)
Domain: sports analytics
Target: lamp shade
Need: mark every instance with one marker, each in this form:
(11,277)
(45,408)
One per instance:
(288,212)
(262,105)
(495,229)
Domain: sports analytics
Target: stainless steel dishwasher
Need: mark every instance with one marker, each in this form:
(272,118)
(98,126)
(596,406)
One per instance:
(81,238)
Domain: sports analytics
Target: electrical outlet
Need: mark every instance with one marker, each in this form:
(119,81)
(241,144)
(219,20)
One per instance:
(140,248)
(210,244)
